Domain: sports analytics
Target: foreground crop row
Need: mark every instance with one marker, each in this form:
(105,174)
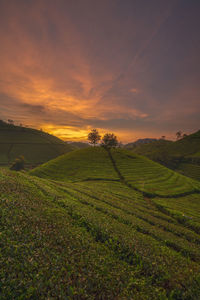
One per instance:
(94,240)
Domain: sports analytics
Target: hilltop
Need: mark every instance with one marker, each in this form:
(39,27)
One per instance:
(35,145)
(182,155)
(84,164)
(93,224)
(95,163)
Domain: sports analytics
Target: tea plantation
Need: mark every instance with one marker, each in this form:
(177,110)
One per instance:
(93,224)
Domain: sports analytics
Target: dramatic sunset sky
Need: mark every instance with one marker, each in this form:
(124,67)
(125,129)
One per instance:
(131,67)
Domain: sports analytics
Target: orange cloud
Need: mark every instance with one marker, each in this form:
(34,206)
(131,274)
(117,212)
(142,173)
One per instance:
(134,90)
(65,70)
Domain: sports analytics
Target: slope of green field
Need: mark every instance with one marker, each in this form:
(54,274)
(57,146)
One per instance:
(96,163)
(175,154)
(151,177)
(192,170)
(95,239)
(151,149)
(36,146)
(84,164)
(186,146)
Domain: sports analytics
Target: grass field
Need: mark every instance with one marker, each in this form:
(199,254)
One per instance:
(99,225)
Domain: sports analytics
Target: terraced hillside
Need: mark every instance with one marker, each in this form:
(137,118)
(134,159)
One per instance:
(119,164)
(99,232)
(36,146)
(182,155)
(84,164)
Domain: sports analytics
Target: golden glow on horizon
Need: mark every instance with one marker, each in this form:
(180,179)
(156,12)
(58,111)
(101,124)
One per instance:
(69,133)
(66,132)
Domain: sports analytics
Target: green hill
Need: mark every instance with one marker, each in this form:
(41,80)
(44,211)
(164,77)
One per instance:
(137,171)
(187,146)
(99,225)
(36,146)
(182,155)
(151,149)
(84,164)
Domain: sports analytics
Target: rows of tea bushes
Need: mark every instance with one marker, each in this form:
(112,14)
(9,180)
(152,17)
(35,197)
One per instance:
(133,203)
(139,172)
(185,210)
(91,240)
(192,170)
(151,177)
(139,221)
(46,254)
(99,225)
(84,164)
(158,249)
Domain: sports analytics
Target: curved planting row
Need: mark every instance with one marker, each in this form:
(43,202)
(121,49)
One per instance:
(46,254)
(150,177)
(59,228)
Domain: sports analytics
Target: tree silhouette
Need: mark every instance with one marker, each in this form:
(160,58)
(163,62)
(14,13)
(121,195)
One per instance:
(109,141)
(179,135)
(94,137)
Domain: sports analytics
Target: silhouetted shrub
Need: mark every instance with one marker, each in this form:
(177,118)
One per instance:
(18,164)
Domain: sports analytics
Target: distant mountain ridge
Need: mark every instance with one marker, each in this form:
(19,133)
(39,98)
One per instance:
(140,141)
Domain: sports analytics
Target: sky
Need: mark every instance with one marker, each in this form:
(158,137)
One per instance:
(131,67)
